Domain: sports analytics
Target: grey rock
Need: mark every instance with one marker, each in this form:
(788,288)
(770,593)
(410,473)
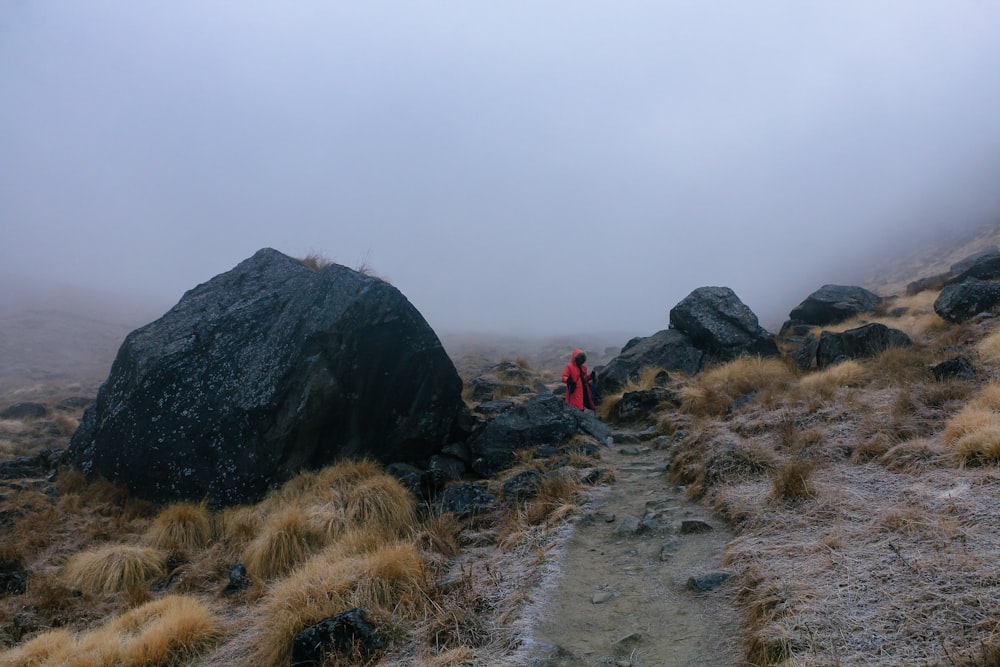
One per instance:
(834,303)
(263,371)
(523,485)
(601,597)
(629,525)
(708,582)
(465,499)
(722,326)
(959,367)
(694,527)
(666,349)
(24,411)
(962,301)
(866,341)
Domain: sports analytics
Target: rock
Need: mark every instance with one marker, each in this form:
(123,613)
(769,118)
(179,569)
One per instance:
(494,407)
(866,341)
(28,466)
(834,303)
(694,527)
(13,577)
(666,349)
(981,267)
(629,525)
(963,265)
(547,452)
(265,370)
(669,548)
(239,580)
(934,282)
(24,411)
(961,301)
(465,499)
(543,418)
(635,405)
(721,325)
(804,353)
(345,634)
(483,389)
(458,450)
(600,597)
(959,367)
(76,402)
(523,485)
(452,468)
(707,582)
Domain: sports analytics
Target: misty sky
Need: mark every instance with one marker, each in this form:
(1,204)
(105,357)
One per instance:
(533,167)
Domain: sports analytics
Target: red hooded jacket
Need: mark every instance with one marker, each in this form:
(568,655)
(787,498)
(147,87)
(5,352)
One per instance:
(578,378)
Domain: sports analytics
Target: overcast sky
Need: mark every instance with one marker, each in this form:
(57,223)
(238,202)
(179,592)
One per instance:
(523,166)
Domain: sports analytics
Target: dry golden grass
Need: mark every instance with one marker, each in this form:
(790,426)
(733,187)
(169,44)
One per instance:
(286,540)
(989,348)
(50,648)
(185,526)
(973,435)
(714,391)
(792,481)
(114,568)
(829,381)
(645,382)
(167,632)
(556,499)
(440,533)
(383,503)
(393,578)
(315,262)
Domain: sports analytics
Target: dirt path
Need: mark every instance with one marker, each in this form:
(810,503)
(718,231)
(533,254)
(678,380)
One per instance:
(623,596)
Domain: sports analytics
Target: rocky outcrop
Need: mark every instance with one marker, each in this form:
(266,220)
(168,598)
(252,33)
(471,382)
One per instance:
(961,301)
(264,370)
(542,419)
(667,349)
(834,303)
(866,341)
(24,411)
(982,265)
(720,325)
(347,634)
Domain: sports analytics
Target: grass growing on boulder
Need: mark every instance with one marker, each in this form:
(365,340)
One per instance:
(185,526)
(645,382)
(114,568)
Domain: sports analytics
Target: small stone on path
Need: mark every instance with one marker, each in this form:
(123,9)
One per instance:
(694,526)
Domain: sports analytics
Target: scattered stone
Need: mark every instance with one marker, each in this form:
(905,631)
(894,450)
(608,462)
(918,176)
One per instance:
(831,304)
(694,527)
(493,407)
(600,597)
(344,634)
(264,370)
(629,525)
(804,353)
(669,548)
(629,642)
(239,580)
(866,341)
(76,402)
(24,411)
(523,485)
(453,469)
(959,367)
(636,405)
(465,499)
(708,582)
(962,301)
(13,577)
(721,325)
(546,452)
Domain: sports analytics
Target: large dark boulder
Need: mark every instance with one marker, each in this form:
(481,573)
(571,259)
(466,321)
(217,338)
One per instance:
(987,256)
(24,411)
(542,419)
(667,349)
(721,325)
(981,266)
(262,371)
(866,341)
(961,301)
(834,303)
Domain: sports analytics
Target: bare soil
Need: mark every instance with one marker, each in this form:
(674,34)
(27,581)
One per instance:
(623,599)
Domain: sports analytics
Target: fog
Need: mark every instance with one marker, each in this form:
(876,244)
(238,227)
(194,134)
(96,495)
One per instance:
(516,167)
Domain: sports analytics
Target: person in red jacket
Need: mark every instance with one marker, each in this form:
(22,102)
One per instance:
(577,379)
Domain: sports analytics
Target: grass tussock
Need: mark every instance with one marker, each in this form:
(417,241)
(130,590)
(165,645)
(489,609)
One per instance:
(713,392)
(829,381)
(186,526)
(315,262)
(286,540)
(973,435)
(792,481)
(114,568)
(708,458)
(55,647)
(393,578)
(556,499)
(989,348)
(383,502)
